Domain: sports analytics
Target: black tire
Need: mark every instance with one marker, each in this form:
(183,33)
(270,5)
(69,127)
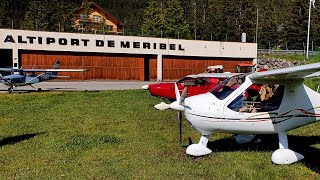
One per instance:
(10,90)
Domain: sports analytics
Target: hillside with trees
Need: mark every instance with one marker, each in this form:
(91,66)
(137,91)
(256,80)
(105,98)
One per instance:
(282,24)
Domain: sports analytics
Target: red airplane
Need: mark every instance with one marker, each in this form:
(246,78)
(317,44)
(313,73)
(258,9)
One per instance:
(197,84)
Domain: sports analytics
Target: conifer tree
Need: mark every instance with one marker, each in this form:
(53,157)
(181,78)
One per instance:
(53,15)
(3,5)
(174,24)
(165,19)
(297,24)
(153,24)
(36,16)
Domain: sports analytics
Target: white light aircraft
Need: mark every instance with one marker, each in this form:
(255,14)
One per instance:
(270,102)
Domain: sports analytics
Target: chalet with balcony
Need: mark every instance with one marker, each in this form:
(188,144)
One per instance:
(92,18)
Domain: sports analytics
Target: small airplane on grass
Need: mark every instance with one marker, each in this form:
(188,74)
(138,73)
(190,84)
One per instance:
(24,77)
(270,102)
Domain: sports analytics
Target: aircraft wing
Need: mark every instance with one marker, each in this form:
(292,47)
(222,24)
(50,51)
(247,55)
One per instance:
(41,70)
(53,70)
(6,69)
(214,75)
(296,72)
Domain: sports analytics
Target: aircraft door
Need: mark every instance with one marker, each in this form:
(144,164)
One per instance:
(257,98)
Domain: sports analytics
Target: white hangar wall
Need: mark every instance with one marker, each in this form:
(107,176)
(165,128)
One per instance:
(144,55)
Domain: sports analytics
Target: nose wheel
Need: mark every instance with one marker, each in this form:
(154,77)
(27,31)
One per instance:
(199,149)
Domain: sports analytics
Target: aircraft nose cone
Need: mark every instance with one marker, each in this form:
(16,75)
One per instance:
(176,106)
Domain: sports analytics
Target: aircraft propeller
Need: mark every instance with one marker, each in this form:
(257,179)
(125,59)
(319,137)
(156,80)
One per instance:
(178,105)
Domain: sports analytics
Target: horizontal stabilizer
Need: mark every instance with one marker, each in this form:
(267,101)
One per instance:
(60,76)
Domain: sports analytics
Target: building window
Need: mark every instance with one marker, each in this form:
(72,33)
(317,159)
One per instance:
(96,18)
(110,27)
(82,16)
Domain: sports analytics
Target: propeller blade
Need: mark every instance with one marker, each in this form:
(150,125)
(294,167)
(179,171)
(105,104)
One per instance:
(183,95)
(176,105)
(180,125)
(176,90)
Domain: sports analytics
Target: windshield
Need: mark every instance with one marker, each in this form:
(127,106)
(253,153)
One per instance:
(190,81)
(226,87)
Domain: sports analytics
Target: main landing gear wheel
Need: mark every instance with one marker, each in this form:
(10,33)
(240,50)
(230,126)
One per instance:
(39,90)
(10,90)
(284,155)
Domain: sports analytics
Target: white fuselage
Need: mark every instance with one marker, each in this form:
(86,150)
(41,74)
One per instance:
(207,114)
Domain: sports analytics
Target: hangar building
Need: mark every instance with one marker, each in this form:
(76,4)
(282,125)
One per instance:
(118,57)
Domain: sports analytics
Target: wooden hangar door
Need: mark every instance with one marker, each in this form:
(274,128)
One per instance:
(100,66)
(176,67)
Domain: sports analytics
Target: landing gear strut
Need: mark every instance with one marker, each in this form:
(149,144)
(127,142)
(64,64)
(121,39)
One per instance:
(37,89)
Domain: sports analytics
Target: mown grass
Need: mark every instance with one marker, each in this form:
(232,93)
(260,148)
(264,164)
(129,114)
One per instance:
(119,135)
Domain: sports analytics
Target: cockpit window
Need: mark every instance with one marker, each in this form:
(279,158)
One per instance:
(188,81)
(226,87)
(258,98)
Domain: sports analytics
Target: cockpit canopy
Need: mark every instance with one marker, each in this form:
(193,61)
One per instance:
(226,87)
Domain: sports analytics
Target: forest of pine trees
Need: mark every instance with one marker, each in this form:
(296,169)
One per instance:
(282,24)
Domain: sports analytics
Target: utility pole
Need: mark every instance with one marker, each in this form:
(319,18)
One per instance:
(257,25)
(308,37)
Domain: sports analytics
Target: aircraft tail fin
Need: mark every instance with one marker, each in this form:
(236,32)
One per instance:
(56,66)
(53,74)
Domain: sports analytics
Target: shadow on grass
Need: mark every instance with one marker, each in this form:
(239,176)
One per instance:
(300,144)
(17,139)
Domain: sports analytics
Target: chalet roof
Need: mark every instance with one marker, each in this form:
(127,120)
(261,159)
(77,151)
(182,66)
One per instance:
(103,12)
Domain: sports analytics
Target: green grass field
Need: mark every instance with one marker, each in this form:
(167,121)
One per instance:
(119,135)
